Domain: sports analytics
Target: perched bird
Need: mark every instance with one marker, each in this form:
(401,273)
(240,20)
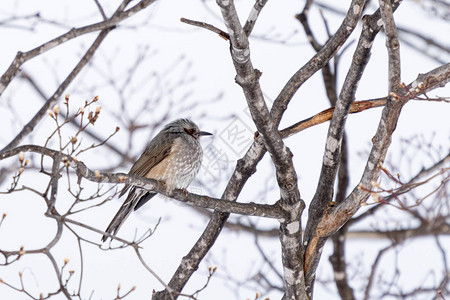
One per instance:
(173,156)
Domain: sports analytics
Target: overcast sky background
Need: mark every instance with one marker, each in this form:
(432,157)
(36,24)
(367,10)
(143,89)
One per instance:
(178,53)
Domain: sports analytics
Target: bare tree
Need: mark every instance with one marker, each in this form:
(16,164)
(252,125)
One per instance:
(334,211)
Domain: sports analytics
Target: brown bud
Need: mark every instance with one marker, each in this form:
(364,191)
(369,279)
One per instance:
(56,109)
(122,178)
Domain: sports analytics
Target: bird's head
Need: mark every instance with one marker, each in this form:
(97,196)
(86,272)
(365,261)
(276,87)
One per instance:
(185,126)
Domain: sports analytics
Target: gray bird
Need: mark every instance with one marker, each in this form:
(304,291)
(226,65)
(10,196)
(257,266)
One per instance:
(173,156)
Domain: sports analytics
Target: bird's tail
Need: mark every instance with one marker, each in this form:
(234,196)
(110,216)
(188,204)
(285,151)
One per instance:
(123,213)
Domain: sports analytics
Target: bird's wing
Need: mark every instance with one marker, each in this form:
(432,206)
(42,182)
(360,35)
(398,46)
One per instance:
(152,156)
(156,151)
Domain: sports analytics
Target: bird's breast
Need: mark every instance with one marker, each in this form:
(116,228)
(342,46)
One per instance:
(180,167)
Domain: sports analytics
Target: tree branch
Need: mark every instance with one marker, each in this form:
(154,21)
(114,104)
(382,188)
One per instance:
(318,61)
(22,57)
(245,167)
(253,16)
(252,209)
(29,127)
(392,44)
(314,239)
(248,78)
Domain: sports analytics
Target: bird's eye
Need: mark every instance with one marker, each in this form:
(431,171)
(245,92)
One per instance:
(189,131)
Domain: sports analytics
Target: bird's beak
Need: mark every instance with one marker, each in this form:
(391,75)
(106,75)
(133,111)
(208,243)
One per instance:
(204,133)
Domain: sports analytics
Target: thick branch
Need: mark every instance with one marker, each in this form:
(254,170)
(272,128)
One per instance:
(253,16)
(314,237)
(331,158)
(392,44)
(244,169)
(248,78)
(325,189)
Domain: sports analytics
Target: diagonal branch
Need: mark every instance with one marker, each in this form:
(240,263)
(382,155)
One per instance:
(318,61)
(248,78)
(325,189)
(84,60)
(29,127)
(75,122)
(245,167)
(253,16)
(22,57)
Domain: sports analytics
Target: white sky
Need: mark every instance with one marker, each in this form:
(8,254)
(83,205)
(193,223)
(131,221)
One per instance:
(184,52)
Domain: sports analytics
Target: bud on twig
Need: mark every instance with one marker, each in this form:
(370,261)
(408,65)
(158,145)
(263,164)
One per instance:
(21,156)
(56,109)
(122,178)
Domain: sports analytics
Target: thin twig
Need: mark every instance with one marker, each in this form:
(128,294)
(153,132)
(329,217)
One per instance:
(214,29)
